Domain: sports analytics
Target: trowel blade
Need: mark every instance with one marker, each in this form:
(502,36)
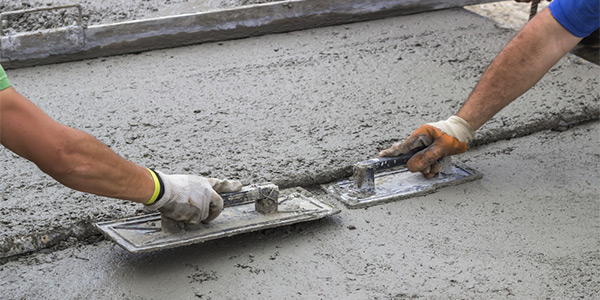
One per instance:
(143,233)
(398,184)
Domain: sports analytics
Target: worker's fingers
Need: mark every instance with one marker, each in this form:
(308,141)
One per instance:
(428,175)
(199,204)
(435,167)
(432,170)
(225,186)
(423,159)
(394,150)
(418,139)
(215,208)
(181,212)
(437,144)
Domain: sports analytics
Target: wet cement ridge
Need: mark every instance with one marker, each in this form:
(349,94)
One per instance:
(76,43)
(553,122)
(30,243)
(83,230)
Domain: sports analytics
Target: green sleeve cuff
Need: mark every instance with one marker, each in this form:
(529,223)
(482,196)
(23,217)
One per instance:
(4,84)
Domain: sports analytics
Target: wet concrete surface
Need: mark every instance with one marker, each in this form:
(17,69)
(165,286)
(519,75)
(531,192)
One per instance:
(73,43)
(299,109)
(106,11)
(295,109)
(527,230)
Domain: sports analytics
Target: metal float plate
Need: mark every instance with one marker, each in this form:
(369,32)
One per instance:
(399,184)
(143,233)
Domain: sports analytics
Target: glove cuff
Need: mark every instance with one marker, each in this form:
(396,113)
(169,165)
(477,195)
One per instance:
(457,128)
(159,191)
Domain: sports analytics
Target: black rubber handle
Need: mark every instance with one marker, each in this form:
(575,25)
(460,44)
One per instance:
(382,163)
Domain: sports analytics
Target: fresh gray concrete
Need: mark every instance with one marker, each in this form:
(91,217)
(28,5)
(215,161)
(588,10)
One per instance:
(299,109)
(78,41)
(296,109)
(527,230)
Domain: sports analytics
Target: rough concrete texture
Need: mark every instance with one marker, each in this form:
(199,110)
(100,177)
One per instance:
(527,230)
(106,11)
(76,43)
(295,109)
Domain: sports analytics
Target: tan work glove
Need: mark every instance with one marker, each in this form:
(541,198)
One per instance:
(192,199)
(440,139)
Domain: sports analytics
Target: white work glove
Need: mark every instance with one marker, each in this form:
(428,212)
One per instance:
(192,199)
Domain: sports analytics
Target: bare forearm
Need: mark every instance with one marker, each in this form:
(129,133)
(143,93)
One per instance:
(90,166)
(72,157)
(522,63)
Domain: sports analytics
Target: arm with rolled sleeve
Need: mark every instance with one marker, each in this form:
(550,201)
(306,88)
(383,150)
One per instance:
(524,61)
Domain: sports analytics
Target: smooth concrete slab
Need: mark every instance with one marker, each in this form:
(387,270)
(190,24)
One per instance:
(527,230)
(295,109)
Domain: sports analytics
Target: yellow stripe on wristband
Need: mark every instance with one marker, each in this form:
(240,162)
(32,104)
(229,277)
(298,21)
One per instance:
(156,188)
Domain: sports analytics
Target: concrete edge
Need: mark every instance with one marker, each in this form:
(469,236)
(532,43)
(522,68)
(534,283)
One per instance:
(76,43)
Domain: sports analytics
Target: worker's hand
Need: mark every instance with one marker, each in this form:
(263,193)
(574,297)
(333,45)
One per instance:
(193,199)
(440,139)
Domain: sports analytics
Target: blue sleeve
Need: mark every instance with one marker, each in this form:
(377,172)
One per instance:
(580,17)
